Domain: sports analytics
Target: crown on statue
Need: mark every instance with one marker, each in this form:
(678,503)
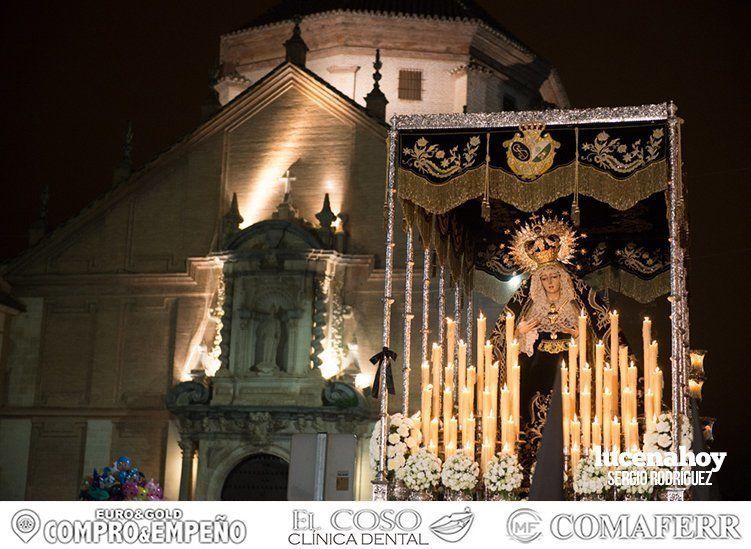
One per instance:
(542,240)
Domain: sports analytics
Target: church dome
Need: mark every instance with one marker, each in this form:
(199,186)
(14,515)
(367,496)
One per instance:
(450,10)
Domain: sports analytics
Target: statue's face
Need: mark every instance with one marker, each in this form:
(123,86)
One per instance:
(551,282)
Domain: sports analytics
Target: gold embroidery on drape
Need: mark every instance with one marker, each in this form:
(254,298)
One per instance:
(621,194)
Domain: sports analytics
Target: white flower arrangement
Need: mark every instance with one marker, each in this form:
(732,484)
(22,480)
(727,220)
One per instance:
(404,437)
(460,473)
(504,474)
(422,471)
(637,489)
(659,437)
(589,479)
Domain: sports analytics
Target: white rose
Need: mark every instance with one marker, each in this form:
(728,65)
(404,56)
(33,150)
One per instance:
(664,441)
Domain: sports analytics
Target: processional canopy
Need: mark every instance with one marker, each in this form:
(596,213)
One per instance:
(463,187)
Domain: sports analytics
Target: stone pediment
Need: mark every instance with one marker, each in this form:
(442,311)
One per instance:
(275,235)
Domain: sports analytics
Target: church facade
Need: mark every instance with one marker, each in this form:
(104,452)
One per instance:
(213,314)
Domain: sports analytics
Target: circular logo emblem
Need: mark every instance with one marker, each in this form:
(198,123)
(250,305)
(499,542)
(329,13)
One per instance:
(524,525)
(25,523)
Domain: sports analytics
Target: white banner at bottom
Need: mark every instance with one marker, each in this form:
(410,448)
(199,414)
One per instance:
(314,525)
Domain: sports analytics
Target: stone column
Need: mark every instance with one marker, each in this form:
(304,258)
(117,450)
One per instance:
(188,447)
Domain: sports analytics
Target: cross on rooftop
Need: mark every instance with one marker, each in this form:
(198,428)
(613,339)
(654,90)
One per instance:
(286,179)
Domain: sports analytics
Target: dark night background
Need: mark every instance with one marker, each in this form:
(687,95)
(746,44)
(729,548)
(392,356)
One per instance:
(74,73)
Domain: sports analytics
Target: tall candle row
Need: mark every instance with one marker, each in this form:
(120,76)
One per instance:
(458,398)
(612,419)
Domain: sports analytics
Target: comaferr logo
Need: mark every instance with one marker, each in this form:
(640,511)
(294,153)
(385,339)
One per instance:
(524,525)
(699,526)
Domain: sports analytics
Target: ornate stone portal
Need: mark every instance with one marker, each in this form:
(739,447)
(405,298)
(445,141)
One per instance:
(282,324)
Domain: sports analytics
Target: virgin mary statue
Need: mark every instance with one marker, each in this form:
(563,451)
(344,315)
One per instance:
(547,307)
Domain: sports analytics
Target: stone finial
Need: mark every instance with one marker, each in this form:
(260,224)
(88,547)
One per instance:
(326,218)
(39,227)
(232,219)
(124,168)
(375,101)
(295,47)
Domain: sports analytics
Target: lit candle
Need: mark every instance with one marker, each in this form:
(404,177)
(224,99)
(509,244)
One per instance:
(425,373)
(453,431)
(471,381)
(623,373)
(450,449)
(634,446)
(626,405)
(614,344)
(566,402)
(575,431)
(487,362)
(505,401)
(511,430)
(436,358)
(465,410)
(632,376)
(599,364)
(653,355)
(657,383)
(596,433)
(448,410)
(485,456)
(646,337)
(468,437)
(616,434)
(607,401)
(462,363)
(585,378)
(427,395)
(649,406)
(492,427)
(481,325)
(450,339)
(494,388)
(582,338)
(575,455)
(515,396)
(586,404)
(512,347)
(432,448)
(573,354)
(434,435)
(509,328)
(448,375)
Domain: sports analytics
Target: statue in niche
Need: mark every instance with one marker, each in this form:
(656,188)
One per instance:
(268,336)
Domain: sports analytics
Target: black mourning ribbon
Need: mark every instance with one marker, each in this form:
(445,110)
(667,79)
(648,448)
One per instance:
(383,359)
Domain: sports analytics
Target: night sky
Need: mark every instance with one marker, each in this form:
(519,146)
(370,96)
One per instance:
(76,72)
